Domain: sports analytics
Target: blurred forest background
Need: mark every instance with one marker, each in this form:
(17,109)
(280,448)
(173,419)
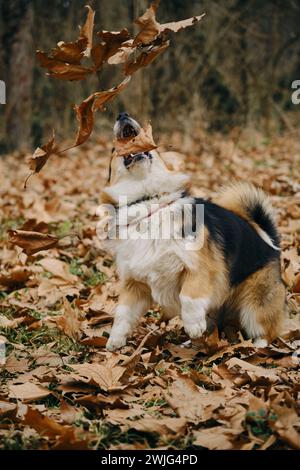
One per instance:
(233,70)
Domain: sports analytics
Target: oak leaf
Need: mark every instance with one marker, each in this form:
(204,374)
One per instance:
(150,28)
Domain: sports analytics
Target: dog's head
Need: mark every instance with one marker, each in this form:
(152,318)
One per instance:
(137,174)
(133,166)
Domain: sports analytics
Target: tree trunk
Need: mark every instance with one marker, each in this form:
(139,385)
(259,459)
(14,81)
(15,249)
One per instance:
(18,59)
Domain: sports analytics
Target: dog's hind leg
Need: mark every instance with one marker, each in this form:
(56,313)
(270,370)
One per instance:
(134,301)
(261,302)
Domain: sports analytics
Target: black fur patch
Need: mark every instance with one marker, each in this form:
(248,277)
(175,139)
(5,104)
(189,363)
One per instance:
(258,215)
(244,250)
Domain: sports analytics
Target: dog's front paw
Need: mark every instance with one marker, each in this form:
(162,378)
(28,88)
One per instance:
(196,329)
(115,342)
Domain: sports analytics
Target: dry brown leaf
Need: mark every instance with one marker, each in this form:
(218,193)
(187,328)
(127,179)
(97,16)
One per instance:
(111,43)
(254,372)
(123,53)
(150,28)
(69,322)
(28,392)
(145,58)
(41,155)
(86,110)
(14,364)
(175,26)
(164,426)
(97,341)
(64,61)
(143,142)
(191,402)
(86,31)
(67,412)
(59,269)
(71,52)
(68,438)
(7,409)
(106,375)
(216,438)
(7,323)
(287,425)
(148,25)
(32,242)
(244,345)
(62,70)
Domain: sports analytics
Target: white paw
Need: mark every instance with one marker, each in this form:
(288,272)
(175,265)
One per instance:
(115,342)
(196,330)
(260,343)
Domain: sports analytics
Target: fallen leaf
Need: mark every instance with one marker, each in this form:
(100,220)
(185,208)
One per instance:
(254,372)
(32,242)
(67,437)
(215,438)
(7,409)
(164,426)
(59,269)
(190,402)
(286,424)
(69,322)
(28,392)
(106,375)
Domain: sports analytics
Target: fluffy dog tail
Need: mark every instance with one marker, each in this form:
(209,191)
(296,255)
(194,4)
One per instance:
(252,204)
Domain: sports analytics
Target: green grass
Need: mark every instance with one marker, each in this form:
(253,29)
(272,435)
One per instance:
(154,403)
(10,224)
(91,277)
(40,337)
(17,441)
(104,435)
(66,227)
(259,422)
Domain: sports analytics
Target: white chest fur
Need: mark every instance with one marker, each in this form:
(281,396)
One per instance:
(158,262)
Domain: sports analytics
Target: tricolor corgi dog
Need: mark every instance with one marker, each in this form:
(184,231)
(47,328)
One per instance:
(193,257)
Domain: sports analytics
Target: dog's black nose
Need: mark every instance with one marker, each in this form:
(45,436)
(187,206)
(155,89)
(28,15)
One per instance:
(122,116)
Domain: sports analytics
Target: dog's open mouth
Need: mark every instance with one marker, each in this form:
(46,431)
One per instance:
(128,131)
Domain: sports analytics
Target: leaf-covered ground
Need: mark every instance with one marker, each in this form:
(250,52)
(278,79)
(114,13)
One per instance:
(61,389)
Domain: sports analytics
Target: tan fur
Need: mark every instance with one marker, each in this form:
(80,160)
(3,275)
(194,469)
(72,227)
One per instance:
(211,277)
(238,196)
(133,292)
(265,293)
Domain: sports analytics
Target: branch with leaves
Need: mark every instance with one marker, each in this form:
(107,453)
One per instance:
(65,62)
